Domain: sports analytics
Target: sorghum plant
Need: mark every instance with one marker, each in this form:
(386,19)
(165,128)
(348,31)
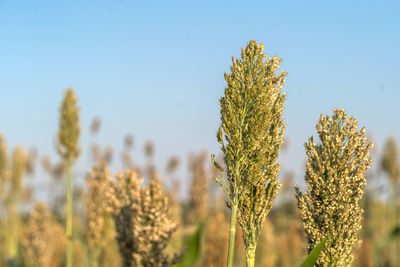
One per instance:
(40,238)
(335,177)
(98,214)
(142,221)
(14,180)
(68,149)
(251,136)
(199,193)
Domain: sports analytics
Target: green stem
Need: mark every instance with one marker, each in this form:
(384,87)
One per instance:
(95,257)
(232,233)
(12,233)
(250,257)
(249,262)
(69,214)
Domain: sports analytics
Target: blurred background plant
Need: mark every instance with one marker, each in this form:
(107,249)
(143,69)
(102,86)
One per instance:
(33,234)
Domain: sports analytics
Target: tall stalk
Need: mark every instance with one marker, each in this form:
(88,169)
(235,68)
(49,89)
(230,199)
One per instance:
(232,233)
(12,232)
(15,189)
(250,260)
(98,218)
(250,136)
(69,214)
(68,136)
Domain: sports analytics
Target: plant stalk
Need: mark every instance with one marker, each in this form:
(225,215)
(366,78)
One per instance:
(12,233)
(69,214)
(250,261)
(232,233)
(94,258)
(250,256)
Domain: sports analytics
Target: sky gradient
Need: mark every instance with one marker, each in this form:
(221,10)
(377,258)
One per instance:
(155,68)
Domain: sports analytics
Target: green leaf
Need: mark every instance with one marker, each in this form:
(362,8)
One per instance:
(313,256)
(193,246)
(396,232)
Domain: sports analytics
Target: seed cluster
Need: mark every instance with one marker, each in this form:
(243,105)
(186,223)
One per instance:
(18,169)
(69,128)
(98,213)
(41,237)
(142,221)
(252,128)
(335,177)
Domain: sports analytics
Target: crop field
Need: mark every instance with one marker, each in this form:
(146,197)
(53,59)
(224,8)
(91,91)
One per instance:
(291,177)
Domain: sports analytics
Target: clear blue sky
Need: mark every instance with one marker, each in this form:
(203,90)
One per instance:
(155,68)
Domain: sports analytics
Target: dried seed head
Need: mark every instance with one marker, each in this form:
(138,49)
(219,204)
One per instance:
(97,206)
(18,169)
(335,177)
(142,221)
(40,237)
(69,127)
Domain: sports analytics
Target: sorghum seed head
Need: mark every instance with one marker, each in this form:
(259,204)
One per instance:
(69,127)
(335,176)
(251,136)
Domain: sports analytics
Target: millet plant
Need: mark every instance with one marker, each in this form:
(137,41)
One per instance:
(98,215)
(142,221)
(18,169)
(335,177)
(68,149)
(41,236)
(250,136)
(12,172)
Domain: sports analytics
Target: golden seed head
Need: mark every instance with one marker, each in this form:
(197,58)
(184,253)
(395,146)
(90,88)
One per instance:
(41,237)
(97,206)
(18,169)
(142,221)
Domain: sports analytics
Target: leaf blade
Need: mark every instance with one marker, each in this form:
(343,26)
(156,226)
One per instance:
(313,256)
